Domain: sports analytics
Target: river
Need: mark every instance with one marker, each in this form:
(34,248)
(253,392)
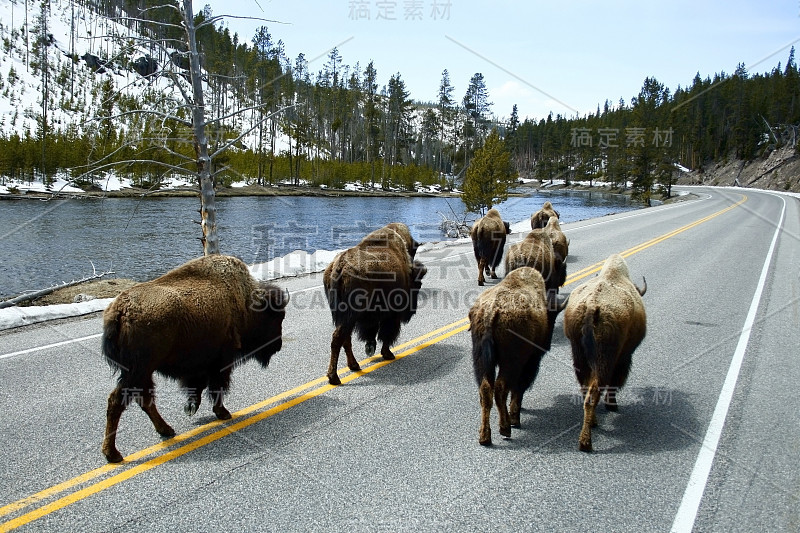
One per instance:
(47,242)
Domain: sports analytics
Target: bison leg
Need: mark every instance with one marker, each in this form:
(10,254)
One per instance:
(501,400)
(610,399)
(368,333)
(193,386)
(485,433)
(369,347)
(616,379)
(481,266)
(514,408)
(216,404)
(217,387)
(148,404)
(116,406)
(388,333)
(341,337)
(352,364)
(589,420)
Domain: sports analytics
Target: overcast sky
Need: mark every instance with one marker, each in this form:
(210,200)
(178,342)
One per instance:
(565,57)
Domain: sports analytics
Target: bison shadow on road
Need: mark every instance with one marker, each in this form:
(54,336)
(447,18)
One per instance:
(431,364)
(271,435)
(650,420)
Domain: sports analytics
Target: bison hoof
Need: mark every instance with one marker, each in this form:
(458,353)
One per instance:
(369,348)
(113,456)
(585,446)
(354,367)
(494,276)
(485,442)
(333,379)
(190,408)
(387,354)
(480,283)
(166,431)
(222,413)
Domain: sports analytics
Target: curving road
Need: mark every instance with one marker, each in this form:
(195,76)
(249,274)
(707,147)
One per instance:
(706,437)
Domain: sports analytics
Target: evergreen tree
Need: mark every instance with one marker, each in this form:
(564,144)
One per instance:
(447,115)
(489,175)
(476,108)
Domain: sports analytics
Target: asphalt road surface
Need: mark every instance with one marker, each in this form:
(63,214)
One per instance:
(706,437)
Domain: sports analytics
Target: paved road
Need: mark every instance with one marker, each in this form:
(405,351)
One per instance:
(706,436)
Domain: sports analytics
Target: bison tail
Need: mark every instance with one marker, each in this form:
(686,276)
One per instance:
(484,359)
(111,345)
(590,351)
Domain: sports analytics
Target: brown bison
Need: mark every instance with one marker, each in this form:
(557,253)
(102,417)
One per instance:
(372,289)
(512,326)
(560,241)
(488,239)
(193,324)
(536,251)
(540,218)
(605,321)
(382,235)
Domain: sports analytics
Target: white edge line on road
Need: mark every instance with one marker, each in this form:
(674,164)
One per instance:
(45,347)
(690,504)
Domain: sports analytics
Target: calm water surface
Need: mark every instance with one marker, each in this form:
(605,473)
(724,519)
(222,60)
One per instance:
(43,243)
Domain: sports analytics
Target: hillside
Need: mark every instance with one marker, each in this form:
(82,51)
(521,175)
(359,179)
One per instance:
(779,171)
(76,76)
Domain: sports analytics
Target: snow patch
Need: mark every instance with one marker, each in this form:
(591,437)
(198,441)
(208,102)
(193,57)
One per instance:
(13,317)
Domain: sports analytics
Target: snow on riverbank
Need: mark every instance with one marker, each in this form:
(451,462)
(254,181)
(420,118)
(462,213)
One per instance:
(13,317)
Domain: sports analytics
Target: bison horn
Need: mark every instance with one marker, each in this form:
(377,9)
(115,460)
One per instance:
(644,288)
(563,303)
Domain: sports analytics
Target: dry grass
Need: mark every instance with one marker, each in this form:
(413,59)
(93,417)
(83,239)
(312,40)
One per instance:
(102,288)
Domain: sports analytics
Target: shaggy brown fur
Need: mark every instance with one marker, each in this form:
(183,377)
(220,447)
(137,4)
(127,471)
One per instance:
(560,241)
(193,324)
(488,240)
(539,219)
(536,251)
(372,288)
(605,321)
(512,326)
(381,236)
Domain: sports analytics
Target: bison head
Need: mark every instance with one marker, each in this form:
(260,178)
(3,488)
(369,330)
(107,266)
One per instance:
(267,309)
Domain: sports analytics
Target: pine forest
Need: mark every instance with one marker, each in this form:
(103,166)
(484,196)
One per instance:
(95,63)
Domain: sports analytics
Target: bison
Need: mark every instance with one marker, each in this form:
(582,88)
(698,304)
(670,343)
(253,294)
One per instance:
(540,218)
(380,236)
(145,66)
(488,240)
(193,324)
(512,326)
(560,241)
(372,289)
(95,63)
(536,250)
(604,321)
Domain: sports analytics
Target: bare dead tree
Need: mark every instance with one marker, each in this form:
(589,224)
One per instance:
(166,114)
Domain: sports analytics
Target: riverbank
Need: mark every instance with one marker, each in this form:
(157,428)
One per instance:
(223,192)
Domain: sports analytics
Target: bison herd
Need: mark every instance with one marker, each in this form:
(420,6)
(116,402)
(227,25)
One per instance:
(198,321)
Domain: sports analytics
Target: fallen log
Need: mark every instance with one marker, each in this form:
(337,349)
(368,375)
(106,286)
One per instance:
(44,292)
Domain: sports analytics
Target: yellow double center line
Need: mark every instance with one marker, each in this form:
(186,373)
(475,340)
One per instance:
(282,401)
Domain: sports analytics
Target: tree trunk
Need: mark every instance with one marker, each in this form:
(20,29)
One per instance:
(208,209)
